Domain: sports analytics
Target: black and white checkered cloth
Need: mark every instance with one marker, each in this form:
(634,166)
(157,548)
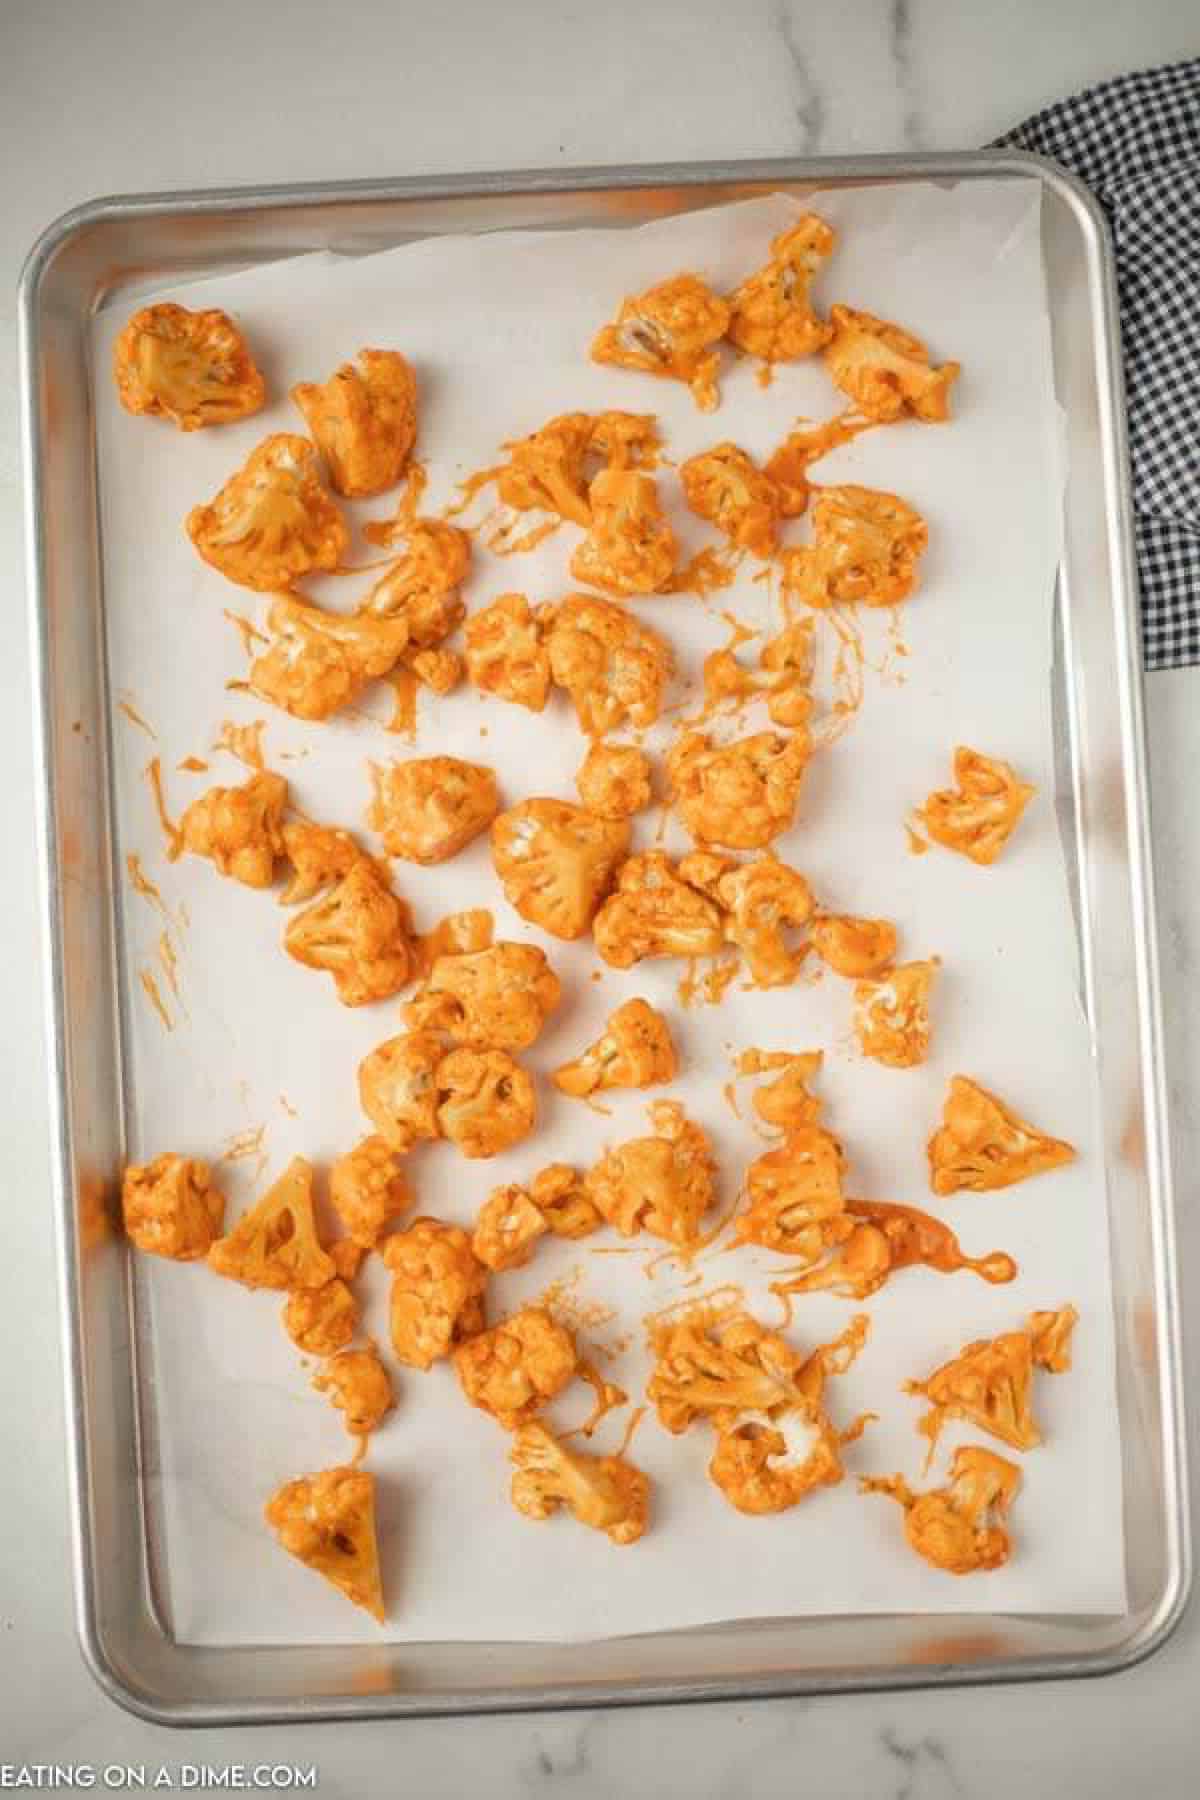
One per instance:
(1135,142)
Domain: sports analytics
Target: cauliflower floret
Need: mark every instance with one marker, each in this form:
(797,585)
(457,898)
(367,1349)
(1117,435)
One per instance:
(505,653)
(368,1189)
(720,1369)
(359,1387)
(884,370)
(239,829)
(954,1527)
(191,367)
(866,546)
(784,676)
(604,1492)
(547,469)
(556,862)
(512,1370)
(438,670)
(763,899)
(321,1320)
(364,420)
(787,1103)
(851,946)
(634,1051)
(655,913)
(422,586)
(320,856)
(990,1382)
(742,794)
(171,1208)
(613,781)
(891,1014)
(327,1521)
(884,1238)
(979,818)
(772,313)
(437,1291)
(795,1196)
(275,1244)
(397,1086)
(763,1466)
(360,933)
(983,1144)
(273,521)
(319,662)
(496,999)
(486,1101)
(726,487)
(630,548)
(614,668)
(428,809)
(513,1218)
(663,1184)
(671,330)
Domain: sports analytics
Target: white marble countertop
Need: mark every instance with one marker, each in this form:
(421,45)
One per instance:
(161,95)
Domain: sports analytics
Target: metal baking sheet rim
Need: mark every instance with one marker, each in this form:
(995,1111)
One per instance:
(100,1654)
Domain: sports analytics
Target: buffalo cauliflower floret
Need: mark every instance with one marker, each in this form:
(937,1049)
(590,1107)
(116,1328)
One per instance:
(787,1103)
(239,829)
(505,653)
(512,1370)
(421,587)
(171,1208)
(497,999)
(630,548)
(851,946)
(762,901)
(884,370)
(990,1382)
(613,667)
(359,1387)
(321,1320)
(766,1466)
(556,862)
(772,314)
(672,330)
(360,933)
(191,367)
(397,1085)
(364,420)
(634,1051)
(795,1196)
(368,1189)
(605,1492)
(956,1527)
(726,487)
(486,1101)
(547,470)
(275,1244)
(428,809)
(438,670)
(320,855)
(319,662)
(783,677)
(437,1291)
(742,794)
(654,912)
(983,1144)
(513,1218)
(662,1184)
(273,521)
(883,1239)
(891,1014)
(866,547)
(327,1522)
(980,816)
(720,1369)
(613,781)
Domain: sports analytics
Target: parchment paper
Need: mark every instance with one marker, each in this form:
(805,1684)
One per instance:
(497,328)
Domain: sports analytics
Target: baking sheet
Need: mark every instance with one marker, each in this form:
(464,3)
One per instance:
(495,327)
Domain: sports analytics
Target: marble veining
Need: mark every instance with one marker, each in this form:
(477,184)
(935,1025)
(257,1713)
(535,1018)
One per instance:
(808,103)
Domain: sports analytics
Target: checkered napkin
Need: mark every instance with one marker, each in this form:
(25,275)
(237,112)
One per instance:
(1135,141)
